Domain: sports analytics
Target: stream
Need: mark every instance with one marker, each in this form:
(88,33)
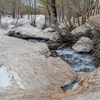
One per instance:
(81,63)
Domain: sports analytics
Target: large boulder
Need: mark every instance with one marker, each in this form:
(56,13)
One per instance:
(81,30)
(84,44)
(26,78)
(29,32)
(11,48)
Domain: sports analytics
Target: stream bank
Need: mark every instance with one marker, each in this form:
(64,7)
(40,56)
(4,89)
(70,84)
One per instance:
(80,62)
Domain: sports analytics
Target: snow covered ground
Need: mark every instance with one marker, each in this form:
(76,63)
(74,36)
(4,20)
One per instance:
(8,22)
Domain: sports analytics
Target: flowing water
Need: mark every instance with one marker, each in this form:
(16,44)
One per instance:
(36,40)
(81,63)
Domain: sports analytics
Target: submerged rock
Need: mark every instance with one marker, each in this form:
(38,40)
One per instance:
(84,44)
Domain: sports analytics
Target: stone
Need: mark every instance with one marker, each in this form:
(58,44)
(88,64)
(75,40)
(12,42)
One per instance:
(84,44)
(30,32)
(49,30)
(11,48)
(54,45)
(81,30)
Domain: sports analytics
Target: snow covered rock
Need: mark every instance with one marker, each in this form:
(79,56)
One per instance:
(49,30)
(34,77)
(84,44)
(32,32)
(82,29)
(11,48)
(25,73)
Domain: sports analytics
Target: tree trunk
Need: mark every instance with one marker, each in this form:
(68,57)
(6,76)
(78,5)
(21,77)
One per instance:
(53,7)
(48,10)
(62,7)
(0,18)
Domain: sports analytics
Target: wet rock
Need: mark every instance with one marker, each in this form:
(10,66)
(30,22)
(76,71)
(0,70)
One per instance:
(84,44)
(53,53)
(53,46)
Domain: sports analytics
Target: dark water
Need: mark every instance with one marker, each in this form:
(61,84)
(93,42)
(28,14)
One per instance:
(70,85)
(36,40)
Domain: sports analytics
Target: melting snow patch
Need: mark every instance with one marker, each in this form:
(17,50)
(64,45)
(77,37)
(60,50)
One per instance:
(9,77)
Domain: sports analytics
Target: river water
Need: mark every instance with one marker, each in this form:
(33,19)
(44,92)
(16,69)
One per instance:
(81,63)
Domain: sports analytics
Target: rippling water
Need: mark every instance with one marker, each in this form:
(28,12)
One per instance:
(81,63)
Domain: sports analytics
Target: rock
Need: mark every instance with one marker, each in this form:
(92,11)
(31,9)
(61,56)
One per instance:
(11,48)
(84,44)
(81,30)
(54,46)
(31,33)
(49,30)
(53,53)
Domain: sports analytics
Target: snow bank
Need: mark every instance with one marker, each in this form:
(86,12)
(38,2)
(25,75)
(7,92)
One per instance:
(40,20)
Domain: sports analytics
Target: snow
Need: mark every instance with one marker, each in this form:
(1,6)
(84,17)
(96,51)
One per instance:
(40,21)
(6,77)
(49,29)
(10,22)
